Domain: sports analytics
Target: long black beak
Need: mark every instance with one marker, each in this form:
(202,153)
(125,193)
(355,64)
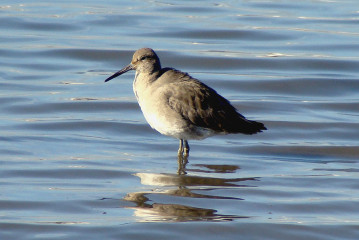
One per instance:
(122,71)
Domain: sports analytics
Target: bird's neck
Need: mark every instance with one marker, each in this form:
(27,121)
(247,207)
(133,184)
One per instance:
(146,77)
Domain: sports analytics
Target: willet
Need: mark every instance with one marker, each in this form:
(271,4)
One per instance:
(179,106)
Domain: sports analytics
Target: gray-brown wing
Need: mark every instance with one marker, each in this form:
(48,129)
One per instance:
(204,107)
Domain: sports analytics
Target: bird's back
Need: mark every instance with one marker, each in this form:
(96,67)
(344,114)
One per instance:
(202,106)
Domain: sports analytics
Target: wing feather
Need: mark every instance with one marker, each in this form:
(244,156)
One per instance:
(202,106)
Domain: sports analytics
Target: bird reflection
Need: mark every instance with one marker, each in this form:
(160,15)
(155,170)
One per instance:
(181,185)
(174,212)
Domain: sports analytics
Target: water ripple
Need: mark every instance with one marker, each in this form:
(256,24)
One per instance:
(79,161)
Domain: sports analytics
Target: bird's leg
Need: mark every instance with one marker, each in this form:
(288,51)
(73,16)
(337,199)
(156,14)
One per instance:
(180,149)
(183,152)
(182,161)
(186,148)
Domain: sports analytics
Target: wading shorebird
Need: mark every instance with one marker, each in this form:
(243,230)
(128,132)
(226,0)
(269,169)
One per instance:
(179,106)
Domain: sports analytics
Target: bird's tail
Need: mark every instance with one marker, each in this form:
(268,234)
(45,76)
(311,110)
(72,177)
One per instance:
(256,127)
(249,127)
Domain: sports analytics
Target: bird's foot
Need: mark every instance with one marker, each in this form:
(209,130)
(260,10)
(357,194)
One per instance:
(182,162)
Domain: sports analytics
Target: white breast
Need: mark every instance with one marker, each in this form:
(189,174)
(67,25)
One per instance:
(160,116)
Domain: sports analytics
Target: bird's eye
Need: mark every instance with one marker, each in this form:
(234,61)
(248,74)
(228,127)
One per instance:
(143,58)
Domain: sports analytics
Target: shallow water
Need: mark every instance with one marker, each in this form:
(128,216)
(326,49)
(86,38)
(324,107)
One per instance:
(78,160)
